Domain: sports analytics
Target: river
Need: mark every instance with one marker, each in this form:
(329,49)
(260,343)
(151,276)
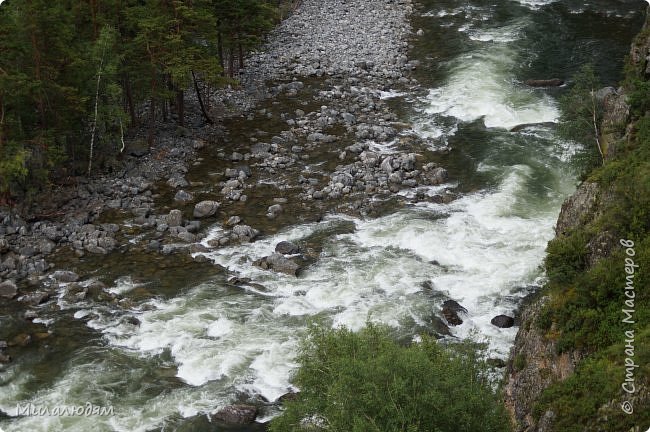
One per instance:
(202,343)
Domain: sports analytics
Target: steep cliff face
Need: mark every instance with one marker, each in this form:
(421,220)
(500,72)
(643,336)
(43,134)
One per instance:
(537,362)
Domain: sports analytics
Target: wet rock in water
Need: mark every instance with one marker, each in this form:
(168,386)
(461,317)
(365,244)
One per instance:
(5,358)
(450,310)
(439,327)
(174,218)
(3,344)
(20,340)
(503,321)
(436,176)
(183,196)
(244,232)
(8,289)
(236,414)
(278,263)
(273,211)
(65,276)
(553,82)
(287,248)
(205,209)
(232,221)
(288,397)
(30,315)
(186,236)
(35,298)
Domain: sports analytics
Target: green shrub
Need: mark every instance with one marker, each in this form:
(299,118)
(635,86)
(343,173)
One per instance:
(361,382)
(566,257)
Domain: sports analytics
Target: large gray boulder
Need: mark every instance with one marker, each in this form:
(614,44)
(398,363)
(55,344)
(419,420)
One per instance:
(236,414)
(205,209)
(8,289)
(278,263)
(65,276)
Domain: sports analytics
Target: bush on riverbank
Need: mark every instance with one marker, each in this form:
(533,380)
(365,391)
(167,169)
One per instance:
(362,382)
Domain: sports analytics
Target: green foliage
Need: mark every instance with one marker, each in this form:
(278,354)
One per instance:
(51,100)
(581,115)
(639,97)
(519,362)
(584,313)
(566,257)
(360,382)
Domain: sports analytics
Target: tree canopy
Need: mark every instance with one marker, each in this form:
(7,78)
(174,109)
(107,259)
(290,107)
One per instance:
(76,75)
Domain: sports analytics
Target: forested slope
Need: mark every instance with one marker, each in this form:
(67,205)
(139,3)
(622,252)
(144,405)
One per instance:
(76,77)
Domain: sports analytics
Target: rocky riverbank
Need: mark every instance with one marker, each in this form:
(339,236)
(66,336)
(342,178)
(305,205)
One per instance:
(308,132)
(360,47)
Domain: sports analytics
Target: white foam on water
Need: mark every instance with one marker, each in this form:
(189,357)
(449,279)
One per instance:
(480,86)
(123,285)
(504,34)
(535,4)
(390,94)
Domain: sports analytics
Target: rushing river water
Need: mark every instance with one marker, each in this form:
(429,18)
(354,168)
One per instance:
(202,343)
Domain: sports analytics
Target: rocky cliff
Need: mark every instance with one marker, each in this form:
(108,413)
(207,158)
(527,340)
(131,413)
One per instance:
(537,362)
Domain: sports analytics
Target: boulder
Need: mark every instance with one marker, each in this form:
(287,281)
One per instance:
(437,175)
(450,310)
(287,248)
(273,211)
(278,263)
(174,218)
(65,276)
(8,289)
(244,232)
(4,245)
(503,321)
(35,298)
(236,414)
(183,196)
(232,221)
(205,209)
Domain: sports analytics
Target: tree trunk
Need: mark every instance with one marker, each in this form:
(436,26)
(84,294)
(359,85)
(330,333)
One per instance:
(241,56)
(163,109)
(220,48)
(94,129)
(152,121)
(231,62)
(198,96)
(36,56)
(129,100)
(180,107)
